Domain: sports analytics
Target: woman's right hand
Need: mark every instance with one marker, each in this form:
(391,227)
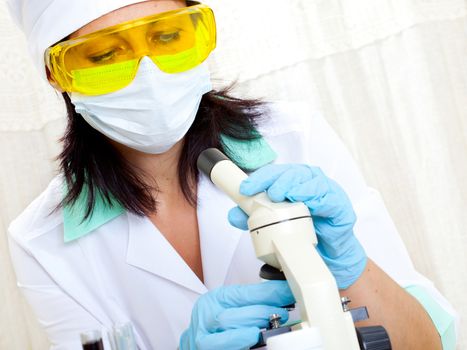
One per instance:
(230,318)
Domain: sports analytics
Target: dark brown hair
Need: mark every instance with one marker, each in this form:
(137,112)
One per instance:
(92,166)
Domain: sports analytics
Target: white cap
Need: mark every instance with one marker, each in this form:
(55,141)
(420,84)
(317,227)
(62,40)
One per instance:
(45,22)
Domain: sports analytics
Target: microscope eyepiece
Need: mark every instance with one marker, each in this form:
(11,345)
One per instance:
(208,159)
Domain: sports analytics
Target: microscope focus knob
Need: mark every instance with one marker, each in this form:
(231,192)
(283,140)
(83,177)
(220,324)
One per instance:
(373,338)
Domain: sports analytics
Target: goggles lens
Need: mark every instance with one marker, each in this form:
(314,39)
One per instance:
(108,60)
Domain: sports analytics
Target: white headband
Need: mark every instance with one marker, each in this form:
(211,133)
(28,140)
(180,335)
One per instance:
(45,22)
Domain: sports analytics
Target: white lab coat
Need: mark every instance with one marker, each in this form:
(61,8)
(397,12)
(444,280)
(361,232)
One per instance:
(127,271)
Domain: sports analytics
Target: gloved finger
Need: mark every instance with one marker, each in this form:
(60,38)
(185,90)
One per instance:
(337,209)
(341,250)
(315,187)
(321,196)
(246,316)
(272,293)
(289,179)
(233,339)
(185,340)
(238,218)
(262,178)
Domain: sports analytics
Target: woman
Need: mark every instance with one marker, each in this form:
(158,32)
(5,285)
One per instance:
(131,232)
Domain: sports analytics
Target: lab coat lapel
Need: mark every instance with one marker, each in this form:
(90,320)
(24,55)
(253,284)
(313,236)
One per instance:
(75,281)
(149,250)
(218,238)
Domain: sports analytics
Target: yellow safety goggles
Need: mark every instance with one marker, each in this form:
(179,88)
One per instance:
(107,60)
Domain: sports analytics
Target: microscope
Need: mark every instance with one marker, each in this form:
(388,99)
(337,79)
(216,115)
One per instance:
(284,238)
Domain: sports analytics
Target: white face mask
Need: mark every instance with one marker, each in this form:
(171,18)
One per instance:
(151,114)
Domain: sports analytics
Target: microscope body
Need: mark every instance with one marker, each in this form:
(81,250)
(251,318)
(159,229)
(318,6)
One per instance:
(283,237)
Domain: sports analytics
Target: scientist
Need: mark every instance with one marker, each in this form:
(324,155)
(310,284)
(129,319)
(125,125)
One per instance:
(130,231)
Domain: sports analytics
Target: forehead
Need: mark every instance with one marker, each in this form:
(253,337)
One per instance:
(129,13)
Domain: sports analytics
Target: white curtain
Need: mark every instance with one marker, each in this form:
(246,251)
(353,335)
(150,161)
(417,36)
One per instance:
(389,75)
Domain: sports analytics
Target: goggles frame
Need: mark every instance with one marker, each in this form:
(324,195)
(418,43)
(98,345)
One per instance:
(61,79)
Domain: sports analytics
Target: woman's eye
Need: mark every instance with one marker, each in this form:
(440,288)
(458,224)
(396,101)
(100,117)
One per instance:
(107,56)
(165,38)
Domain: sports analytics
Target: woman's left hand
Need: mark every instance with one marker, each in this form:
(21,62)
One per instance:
(332,212)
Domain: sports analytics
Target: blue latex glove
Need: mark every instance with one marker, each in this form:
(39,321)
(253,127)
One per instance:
(332,213)
(230,318)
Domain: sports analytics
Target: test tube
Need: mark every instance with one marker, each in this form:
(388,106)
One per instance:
(92,340)
(123,337)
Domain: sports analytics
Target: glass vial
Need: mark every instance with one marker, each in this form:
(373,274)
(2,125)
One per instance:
(92,340)
(123,337)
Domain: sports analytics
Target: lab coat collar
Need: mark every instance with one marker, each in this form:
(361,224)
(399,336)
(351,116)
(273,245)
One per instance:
(74,223)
